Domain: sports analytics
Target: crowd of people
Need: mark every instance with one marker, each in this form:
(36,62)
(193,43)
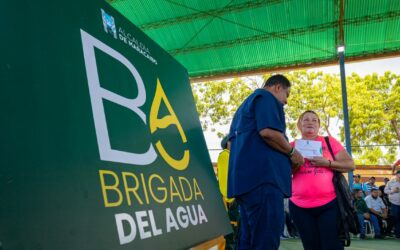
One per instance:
(378,205)
(263,170)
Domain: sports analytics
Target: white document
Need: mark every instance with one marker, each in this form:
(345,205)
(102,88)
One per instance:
(309,148)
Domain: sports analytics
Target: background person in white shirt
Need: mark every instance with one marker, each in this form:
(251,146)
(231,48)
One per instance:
(393,190)
(376,206)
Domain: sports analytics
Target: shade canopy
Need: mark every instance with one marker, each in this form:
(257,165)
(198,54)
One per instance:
(221,38)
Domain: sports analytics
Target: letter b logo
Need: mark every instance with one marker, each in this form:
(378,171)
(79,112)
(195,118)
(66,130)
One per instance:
(98,93)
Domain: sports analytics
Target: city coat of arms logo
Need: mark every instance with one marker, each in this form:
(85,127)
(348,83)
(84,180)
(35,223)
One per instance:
(109,24)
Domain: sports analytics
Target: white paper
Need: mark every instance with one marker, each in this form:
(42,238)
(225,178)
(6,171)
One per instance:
(309,148)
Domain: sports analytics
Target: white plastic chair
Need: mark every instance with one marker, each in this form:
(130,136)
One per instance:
(369,229)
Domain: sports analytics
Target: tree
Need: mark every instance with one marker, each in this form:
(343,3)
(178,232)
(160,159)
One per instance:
(374,113)
(313,91)
(217,101)
(373,102)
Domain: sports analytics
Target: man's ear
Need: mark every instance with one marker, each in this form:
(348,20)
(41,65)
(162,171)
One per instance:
(275,88)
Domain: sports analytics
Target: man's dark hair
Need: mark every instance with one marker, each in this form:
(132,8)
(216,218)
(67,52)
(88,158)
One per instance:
(277,79)
(224,142)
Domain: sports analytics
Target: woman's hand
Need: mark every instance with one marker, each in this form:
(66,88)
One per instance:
(320,161)
(343,162)
(296,158)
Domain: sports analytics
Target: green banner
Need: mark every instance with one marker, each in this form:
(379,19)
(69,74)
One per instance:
(101,145)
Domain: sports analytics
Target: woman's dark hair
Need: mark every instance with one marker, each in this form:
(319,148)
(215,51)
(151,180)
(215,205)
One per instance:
(277,79)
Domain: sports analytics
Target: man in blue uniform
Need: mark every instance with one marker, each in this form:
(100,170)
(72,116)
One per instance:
(260,164)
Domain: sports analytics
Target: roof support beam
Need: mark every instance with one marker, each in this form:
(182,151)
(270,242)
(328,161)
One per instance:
(344,87)
(252,39)
(287,33)
(198,14)
(295,66)
(345,109)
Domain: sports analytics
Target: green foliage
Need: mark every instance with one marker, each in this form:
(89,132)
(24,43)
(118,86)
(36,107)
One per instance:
(218,101)
(372,109)
(373,103)
(313,91)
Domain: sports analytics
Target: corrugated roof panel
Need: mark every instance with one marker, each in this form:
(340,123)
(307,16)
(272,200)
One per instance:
(360,8)
(373,37)
(217,37)
(270,52)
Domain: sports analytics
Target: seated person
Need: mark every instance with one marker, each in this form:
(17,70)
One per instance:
(369,185)
(357,184)
(383,195)
(393,190)
(376,207)
(363,214)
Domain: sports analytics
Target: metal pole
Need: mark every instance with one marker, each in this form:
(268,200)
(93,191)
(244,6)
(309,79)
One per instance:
(345,110)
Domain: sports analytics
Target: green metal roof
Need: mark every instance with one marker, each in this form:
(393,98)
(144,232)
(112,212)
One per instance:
(216,38)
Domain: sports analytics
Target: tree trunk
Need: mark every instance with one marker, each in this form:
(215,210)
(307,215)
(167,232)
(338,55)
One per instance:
(396,129)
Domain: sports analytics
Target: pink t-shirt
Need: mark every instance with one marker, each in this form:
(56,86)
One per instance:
(312,186)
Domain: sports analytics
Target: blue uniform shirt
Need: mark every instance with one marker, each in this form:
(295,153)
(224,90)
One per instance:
(253,162)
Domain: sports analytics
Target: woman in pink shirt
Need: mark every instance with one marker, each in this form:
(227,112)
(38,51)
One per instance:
(313,205)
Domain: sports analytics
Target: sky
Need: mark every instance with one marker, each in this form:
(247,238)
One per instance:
(361,68)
